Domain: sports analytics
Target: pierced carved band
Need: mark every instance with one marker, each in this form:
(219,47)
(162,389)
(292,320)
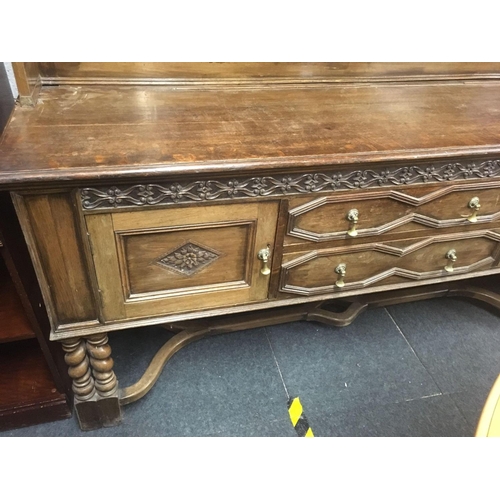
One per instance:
(257,187)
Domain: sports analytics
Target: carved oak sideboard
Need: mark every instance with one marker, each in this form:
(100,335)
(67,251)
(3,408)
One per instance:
(212,198)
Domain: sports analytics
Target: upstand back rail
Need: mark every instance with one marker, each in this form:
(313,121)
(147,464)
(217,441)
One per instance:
(215,198)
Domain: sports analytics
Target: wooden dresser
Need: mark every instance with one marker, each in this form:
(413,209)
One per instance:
(213,197)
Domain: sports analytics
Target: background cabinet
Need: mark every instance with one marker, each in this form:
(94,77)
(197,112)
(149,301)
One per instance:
(33,381)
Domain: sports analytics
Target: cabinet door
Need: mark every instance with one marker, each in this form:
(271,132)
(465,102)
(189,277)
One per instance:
(159,262)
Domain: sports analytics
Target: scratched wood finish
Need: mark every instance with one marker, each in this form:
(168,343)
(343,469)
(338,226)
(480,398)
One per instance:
(389,263)
(396,211)
(111,132)
(170,260)
(333,71)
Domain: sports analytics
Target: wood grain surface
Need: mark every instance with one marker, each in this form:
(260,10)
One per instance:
(28,394)
(318,71)
(137,278)
(98,132)
(395,211)
(390,263)
(13,320)
(49,224)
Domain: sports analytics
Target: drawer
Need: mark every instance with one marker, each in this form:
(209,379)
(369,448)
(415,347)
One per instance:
(394,262)
(163,261)
(377,212)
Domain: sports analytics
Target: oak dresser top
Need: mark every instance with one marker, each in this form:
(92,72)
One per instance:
(101,132)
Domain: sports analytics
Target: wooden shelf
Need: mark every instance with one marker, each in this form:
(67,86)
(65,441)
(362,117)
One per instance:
(14,324)
(28,394)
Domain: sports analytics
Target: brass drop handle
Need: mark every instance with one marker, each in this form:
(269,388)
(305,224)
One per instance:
(352,217)
(474,204)
(340,270)
(263,255)
(451,255)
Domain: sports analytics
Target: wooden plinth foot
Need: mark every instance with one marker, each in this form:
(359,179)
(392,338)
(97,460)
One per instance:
(88,415)
(110,411)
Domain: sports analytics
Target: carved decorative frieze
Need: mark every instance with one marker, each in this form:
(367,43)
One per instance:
(255,187)
(189,258)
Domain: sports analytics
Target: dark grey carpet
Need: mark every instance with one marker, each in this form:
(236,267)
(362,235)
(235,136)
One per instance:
(420,369)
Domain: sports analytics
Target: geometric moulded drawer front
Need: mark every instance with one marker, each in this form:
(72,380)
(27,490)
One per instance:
(164,261)
(329,218)
(399,262)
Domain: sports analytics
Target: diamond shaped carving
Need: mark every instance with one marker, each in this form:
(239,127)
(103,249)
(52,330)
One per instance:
(189,258)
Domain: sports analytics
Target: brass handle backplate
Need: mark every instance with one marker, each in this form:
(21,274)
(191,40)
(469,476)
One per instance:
(340,270)
(474,204)
(451,255)
(263,255)
(352,217)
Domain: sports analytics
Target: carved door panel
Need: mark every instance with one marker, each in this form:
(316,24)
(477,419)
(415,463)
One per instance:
(163,261)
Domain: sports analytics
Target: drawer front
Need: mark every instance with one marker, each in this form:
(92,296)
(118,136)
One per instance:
(157,262)
(338,217)
(395,262)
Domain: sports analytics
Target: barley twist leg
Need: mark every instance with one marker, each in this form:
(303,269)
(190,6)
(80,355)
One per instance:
(102,365)
(79,369)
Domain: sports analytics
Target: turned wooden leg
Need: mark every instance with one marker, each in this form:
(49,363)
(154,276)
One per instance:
(106,384)
(95,386)
(83,385)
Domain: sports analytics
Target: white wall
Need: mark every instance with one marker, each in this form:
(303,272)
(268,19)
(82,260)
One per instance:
(12,81)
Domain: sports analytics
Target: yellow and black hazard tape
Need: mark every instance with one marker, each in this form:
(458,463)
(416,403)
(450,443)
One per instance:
(299,420)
